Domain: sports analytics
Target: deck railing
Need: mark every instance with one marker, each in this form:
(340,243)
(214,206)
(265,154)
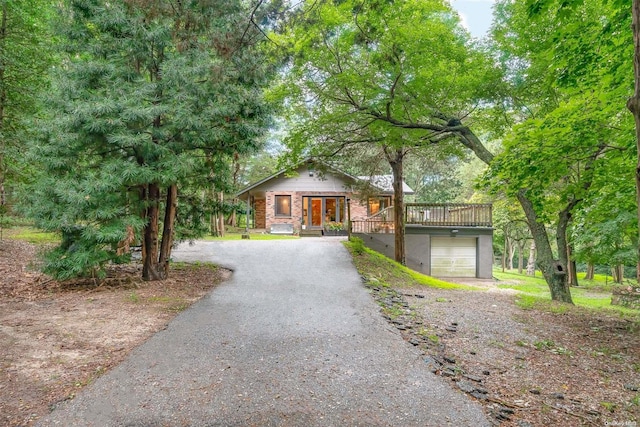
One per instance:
(449,214)
(429,214)
(385,214)
(372,226)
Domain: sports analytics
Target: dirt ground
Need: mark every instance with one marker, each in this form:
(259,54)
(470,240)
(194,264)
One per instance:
(527,367)
(55,338)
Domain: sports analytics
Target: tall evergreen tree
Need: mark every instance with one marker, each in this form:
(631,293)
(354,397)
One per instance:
(152,100)
(25,57)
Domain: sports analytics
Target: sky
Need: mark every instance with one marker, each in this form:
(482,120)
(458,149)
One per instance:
(476,15)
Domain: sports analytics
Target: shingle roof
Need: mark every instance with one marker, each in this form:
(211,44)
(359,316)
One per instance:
(385,183)
(382,182)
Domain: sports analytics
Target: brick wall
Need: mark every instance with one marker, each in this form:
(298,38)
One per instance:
(296,210)
(260,205)
(266,212)
(358,209)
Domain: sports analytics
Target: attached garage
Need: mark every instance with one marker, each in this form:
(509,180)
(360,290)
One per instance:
(453,256)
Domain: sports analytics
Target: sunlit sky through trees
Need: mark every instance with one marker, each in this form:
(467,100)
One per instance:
(476,15)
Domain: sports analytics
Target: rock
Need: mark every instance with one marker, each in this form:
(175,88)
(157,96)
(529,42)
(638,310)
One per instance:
(522,423)
(534,391)
(473,378)
(414,341)
(451,328)
(557,395)
(506,410)
(632,387)
(449,360)
(401,327)
(432,363)
(448,372)
(437,359)
(501,417)
(478,395)
(482,390)
(466,386)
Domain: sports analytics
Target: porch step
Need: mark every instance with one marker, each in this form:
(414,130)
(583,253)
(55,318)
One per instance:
(310,233)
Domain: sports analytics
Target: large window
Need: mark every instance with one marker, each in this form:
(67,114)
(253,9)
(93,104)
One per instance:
(283,205)
(376,204)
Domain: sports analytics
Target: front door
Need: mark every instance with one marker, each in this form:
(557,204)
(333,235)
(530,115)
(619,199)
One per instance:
(316,211)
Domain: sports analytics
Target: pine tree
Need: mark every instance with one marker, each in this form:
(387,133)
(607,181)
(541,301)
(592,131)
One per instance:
(25,57)
(152,95)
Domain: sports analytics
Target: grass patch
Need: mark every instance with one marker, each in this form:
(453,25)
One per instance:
(32,235)
(535,294)
(256,236)
(182,265)
(378,267)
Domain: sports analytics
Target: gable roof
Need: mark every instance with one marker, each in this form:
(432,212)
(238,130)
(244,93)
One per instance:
(384,183)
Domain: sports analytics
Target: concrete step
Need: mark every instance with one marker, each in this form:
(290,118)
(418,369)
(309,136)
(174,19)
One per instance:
(311,233)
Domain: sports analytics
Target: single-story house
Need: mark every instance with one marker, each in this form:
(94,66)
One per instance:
(314,197)
(441,239)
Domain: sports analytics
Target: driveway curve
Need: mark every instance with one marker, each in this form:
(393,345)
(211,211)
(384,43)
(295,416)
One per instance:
(292,339)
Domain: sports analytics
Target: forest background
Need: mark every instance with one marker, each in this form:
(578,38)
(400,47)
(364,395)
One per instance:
(144,118)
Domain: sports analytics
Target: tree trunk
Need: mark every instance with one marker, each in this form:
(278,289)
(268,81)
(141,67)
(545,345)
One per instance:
(574,273)
(571,266)
(213,225)
(633,104)
(531,264)
(504,252)
(232,220)
(554,271)
(617,273)
(396,163)
(590,271)
(168,229)
(220,215)
(521,244)
(150,267)
(512,253)
(233,217)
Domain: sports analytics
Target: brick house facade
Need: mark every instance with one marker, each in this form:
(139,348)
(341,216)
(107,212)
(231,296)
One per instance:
(307,199)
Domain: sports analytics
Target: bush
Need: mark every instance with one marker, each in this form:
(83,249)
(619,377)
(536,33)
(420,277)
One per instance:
(357,245)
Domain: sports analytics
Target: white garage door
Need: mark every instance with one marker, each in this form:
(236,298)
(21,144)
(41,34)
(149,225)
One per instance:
(453,256)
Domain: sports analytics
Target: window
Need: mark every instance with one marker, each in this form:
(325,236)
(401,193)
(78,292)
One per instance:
(376,204)
(283,205)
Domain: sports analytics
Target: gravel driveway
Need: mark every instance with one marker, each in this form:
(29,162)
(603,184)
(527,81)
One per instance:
(293,339)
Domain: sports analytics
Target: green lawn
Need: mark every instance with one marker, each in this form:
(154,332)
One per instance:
(378,268)
(31,235)
(256,236)
(595,294)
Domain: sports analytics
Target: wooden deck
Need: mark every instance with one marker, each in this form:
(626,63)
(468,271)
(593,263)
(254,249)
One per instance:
(429,214)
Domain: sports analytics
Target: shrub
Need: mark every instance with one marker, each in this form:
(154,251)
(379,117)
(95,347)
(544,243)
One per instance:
(357,245)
